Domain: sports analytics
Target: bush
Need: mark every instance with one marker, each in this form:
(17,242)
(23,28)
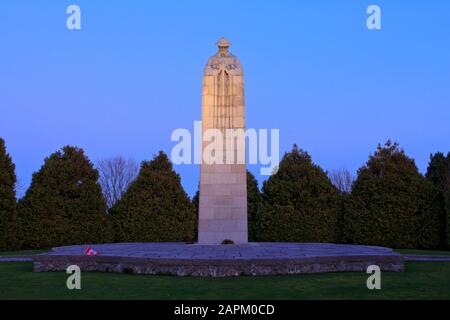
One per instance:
(253,202)
(438,173)
(392,204)
(195,203)
(8,216)
(299,203)
(155,208)
(64,204)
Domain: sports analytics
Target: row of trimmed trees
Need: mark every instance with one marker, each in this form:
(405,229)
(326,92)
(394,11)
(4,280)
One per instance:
(65,205)
(390,203)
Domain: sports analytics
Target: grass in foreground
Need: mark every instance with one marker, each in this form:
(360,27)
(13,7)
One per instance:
(423,252)
(21,252)
(421,280)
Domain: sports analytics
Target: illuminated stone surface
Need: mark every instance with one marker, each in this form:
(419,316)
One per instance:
(223,185)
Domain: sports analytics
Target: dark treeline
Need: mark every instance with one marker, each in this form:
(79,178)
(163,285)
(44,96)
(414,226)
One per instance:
(389,203)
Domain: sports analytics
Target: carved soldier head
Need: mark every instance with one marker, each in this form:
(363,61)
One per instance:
(223,45)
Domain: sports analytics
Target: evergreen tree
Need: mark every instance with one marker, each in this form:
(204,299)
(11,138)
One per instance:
(300,204)
(392,204)
(8,217)
(64,204)
(196,200)
(253,202)
(438,173)
(195,203)
(155,207)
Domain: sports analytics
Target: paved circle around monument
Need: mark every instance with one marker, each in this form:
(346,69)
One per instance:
(220,260)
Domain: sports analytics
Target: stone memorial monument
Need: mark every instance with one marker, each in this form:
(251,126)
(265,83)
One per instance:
(222,210)
(223,174)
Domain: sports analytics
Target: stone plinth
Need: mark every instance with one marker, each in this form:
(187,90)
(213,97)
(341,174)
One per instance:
(253,259)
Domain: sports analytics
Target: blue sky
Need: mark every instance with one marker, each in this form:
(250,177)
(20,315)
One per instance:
(132,74)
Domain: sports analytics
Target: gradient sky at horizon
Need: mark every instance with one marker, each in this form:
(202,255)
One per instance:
(132,75)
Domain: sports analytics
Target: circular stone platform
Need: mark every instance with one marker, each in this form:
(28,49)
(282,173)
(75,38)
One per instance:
(220,260)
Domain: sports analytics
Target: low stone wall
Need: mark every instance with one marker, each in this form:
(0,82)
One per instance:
(217,267)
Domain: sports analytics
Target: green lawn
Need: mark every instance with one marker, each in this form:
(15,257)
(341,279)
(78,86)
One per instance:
(421,280)
(423,252)
(21,252)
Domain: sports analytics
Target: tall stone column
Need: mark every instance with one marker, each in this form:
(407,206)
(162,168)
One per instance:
(223,174)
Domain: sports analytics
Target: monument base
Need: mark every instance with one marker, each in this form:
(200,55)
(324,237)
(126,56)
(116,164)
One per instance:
(253,259)
(216,238)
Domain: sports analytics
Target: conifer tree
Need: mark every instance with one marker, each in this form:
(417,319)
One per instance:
(392,204)
(253,202)
(8,218)
(438,173)
(155,208)
(300,204)
(64,204)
